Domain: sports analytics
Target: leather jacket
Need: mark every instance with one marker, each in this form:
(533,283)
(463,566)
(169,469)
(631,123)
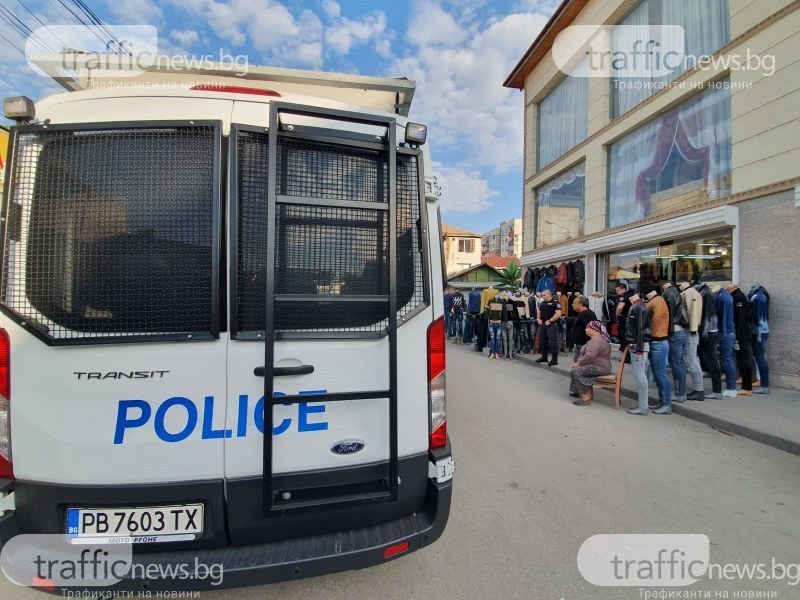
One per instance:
(677,316)
(637,325)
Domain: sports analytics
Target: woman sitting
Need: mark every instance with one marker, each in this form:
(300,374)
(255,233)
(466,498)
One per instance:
(594,360)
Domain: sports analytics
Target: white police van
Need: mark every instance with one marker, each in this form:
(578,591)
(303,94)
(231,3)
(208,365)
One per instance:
(172,257)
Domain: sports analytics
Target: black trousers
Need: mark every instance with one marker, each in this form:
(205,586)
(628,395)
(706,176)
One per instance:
(744,360)
(548,340)
(709,354)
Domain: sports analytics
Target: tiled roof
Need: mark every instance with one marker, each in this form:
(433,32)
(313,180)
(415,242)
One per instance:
(499,262)
(450,231)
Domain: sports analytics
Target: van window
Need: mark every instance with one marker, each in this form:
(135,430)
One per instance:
(324,250)
(119,232)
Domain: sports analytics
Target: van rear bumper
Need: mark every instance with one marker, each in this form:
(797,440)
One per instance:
(271,562)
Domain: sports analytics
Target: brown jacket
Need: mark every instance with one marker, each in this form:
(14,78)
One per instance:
(659,318)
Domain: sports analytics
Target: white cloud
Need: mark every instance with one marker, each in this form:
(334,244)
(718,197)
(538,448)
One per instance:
(431,25)
(463,191)
(331,8)
(185,38)
(460,93)
(135,12)
(343,33)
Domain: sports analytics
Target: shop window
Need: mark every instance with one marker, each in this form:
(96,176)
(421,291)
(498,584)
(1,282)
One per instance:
(707,259)
(678,160)
(563,117)
(560,207)
(706,27)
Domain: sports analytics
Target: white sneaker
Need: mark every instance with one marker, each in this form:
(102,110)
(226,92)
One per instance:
(730,393)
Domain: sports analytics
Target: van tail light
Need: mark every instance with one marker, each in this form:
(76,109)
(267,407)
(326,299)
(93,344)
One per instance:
(436,384)
(6,471)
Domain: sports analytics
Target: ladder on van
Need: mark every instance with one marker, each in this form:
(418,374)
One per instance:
(379,482)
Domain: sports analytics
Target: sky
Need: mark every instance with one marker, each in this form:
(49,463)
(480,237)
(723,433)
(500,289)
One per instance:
(459,52)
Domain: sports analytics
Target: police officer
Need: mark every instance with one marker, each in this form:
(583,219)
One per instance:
(549,314)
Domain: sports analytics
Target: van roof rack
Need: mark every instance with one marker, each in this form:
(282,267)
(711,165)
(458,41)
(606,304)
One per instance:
(389,94)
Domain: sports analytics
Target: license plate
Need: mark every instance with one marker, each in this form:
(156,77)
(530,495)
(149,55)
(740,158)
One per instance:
(134,525)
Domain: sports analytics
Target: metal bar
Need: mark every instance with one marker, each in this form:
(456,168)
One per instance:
(318,136)
(233,229)
(328,298)
(393,443)
(306,201)
(269,322)
(335,397)
(216,234)
(335,114)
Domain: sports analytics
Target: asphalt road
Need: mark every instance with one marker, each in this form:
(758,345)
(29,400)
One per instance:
(537,476)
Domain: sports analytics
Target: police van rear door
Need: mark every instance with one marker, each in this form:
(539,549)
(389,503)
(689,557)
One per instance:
(316,242)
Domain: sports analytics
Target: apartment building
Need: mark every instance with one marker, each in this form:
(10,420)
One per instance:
(462,249)
(690,175)
(505,240)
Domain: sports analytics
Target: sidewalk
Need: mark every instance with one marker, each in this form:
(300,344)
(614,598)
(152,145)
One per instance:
(772,420)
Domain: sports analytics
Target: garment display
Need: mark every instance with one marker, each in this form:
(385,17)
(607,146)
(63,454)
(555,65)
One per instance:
(546,283)
(708,348)
(727,339)
(741,324)
(678,340)
(759,321)
(637,334)
(474,301)
(487,295)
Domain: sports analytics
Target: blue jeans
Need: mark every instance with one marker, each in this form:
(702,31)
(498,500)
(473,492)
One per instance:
(639,366)
(760,353)
(659,352)
(727,361)
(468,328)
(448,322)
(458,324)
(495,337)
(677,355)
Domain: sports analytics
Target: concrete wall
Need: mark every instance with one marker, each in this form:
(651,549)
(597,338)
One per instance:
(769,254)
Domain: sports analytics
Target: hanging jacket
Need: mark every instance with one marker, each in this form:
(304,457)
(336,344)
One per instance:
(759,313)
(580,272)
(660,318)
(741,316)
(546,283)
(474,302)
(725,312)
(551,271)
(598,305)
(637,325)
(673,298)
(527,282)
(561,275)
(710,321)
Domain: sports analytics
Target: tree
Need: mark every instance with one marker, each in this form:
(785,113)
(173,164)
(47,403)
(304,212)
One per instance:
(509,277)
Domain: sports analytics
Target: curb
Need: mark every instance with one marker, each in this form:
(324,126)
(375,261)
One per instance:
(725,426)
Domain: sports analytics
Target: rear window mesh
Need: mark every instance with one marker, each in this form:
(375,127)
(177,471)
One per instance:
(118,232)
(325,250)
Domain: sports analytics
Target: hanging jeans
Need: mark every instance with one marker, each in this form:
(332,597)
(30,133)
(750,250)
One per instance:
(508,339)
(678,343)
(639,366)
(469,328)
(548,340)
(659,354)
(693,362)
(727,361)
(495,335)
(458,324)
(760,354)
(744,360)
(448,323)
(709,349)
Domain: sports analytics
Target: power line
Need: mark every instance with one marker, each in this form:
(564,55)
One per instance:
(97,21)
(63,44)
(14,45)
(22,28)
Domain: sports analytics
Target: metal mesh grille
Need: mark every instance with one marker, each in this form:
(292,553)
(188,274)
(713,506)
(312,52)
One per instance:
(322,250)
(114,234)
(331,171)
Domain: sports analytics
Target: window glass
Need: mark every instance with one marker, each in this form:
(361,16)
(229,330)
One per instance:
(465,245)
(563,116)
(680,159)
(560,206)
(706,29)
(120,232)
(708,259)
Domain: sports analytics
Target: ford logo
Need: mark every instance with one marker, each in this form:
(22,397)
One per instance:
(347,447)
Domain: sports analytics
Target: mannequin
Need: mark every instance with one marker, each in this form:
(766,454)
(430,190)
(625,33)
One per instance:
(597,304)
(744,350)
(759,321)
(678,341)
(637,334)
(708,347)
(727,339)
(692,303)
(660,326)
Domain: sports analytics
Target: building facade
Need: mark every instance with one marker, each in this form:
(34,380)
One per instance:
(462,249)
(687,176)
(505,240)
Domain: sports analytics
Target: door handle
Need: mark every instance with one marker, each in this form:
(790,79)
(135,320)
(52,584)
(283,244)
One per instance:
(285,371)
